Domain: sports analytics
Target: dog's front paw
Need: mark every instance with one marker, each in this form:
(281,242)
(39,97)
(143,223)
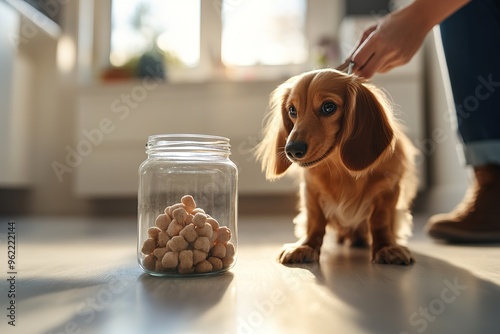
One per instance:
(395,254)
(298,254)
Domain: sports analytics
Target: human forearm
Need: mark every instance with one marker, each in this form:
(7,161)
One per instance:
(393,41)
(432,12)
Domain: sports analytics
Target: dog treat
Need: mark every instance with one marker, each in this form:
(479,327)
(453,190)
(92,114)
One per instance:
(226,262)
(163,238)
(160,252)
(174,228)
(159,266)
(213,238)
(186,259)
(173,208)
(177,243)
(153,232)
(189,233)
(186,271)
(199,219)
(202,243)
(149,246)
(215,262)
(149,262)
(218,250)
(230,251)
(213,223)
(167,211)
(162,221)
(170,260)
(186,240)
(204,267)
(189,219)
(199,256)
(205,231)
(224,234)
(180,215)
(188,202)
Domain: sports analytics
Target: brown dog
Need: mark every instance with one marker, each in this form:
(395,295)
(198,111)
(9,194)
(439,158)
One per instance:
(357,172)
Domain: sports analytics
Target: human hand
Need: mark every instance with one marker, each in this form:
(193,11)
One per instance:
(390,43)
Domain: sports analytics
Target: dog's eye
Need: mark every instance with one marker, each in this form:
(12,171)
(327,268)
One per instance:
(328,108)
(292,111)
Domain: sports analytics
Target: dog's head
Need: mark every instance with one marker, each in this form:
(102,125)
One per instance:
(321,115)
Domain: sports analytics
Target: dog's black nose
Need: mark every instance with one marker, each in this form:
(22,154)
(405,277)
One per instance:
(296,150)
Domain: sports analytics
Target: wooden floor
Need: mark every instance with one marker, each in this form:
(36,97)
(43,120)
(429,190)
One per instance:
(78,275)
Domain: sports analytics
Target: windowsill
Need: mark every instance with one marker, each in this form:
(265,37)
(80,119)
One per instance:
(99,86)
(200,75)
(211,74)
(224,80)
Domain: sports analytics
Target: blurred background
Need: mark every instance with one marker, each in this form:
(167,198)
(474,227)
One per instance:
(83,83)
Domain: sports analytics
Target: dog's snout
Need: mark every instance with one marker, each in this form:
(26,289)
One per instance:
(296,150)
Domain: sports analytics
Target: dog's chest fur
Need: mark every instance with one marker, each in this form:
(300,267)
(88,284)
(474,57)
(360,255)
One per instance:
(344,213)
(345,200)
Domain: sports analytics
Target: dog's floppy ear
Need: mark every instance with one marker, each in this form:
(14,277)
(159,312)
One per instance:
(271,150)
(367,131)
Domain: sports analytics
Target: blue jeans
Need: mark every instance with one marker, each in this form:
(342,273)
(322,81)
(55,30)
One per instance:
(471,42)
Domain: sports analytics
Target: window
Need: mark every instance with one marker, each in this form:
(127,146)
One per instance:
(263,32)
(148,26)
(199,40)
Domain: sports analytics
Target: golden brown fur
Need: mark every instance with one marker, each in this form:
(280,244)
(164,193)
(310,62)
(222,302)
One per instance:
(356,164)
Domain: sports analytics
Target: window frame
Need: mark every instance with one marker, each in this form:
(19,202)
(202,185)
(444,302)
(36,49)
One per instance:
(322,18)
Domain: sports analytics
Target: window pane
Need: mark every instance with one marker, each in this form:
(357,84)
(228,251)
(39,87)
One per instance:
(267,32)
(140,26)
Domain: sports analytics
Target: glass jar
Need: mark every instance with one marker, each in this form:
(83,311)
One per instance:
(187,206)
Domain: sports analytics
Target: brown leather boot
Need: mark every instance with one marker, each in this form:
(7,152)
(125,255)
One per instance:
(477,218)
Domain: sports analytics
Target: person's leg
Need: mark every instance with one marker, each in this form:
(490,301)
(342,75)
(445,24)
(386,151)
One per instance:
(471,41)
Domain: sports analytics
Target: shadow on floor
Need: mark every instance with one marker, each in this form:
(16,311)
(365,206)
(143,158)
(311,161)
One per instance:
(138,302)
(431,296)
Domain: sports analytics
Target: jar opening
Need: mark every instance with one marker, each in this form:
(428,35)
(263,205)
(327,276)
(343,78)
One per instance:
(180,143)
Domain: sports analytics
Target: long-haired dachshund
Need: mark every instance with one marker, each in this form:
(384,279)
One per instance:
(356,165)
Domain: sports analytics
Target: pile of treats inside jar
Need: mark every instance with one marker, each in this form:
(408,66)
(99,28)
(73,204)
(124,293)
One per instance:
(187,240)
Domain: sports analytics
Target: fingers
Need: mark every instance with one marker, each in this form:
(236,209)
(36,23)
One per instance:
(367,33)
(369,67)
(375,53)
(364,37)
(345,65)
(373,56)
(366,58)
(380,62)
(390,44)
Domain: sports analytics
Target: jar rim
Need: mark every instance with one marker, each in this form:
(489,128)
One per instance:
(185,142)
(184,136)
